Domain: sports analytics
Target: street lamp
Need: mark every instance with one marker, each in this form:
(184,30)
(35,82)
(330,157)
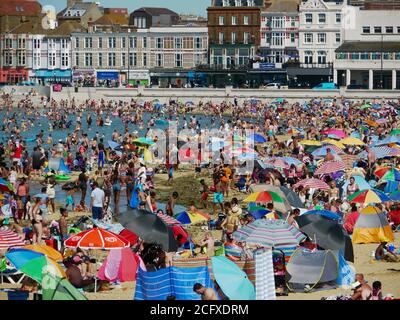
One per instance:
(381,84)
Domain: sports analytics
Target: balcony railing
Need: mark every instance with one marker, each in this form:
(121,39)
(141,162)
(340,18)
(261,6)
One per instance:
(216,67)
(315,65)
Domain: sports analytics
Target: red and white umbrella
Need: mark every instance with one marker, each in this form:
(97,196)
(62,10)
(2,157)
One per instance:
(330,167)
(10,239)
(168,219)
(97,238)
(312,183)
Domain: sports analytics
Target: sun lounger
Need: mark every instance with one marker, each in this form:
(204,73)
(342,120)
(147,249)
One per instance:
(9,273)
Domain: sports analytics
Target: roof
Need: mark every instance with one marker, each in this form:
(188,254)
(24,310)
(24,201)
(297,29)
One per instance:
(111,19)
(219,3)
(77,6)
(65,29)
(284,6)
(35,27)
(156,11)
(369,46)
(30,27)
(19,8)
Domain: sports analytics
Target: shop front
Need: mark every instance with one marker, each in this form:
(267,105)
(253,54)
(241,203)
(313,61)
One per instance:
(13,75)
(85,78)
(46,77)
(138,77)
(166,79)
(108,78)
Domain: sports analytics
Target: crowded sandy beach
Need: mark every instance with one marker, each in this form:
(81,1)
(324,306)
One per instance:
(260,199)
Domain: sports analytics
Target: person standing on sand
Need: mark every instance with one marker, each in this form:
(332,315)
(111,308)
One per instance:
(82,182)
(97,203)
(206,293)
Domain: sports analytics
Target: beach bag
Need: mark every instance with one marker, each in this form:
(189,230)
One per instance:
(135,201)
(346,273)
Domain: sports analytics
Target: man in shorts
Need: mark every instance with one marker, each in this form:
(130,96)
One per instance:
(218,197)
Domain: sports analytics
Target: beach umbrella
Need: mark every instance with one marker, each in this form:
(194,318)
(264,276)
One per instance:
(34,264)
(47,250)
(269,233)
(388,140)
(395,196)
(161,122)
(380,152)
(97,238)
(113,145)
(326,233)
(310,143)
(312,183)
(335,132)
(322,152)
(295,131)
(352,141)
(334,142)
(326,213)
(283,206)
(368,196)
(6,186)
(279,163)
(264,196)
(330,167)
(388,174)
(143,141)
(258,138)
(9,239)
(150,228)
(371,123)
(395,132)
(291,160)
(192,217)
(260,213)
(360,182)
(292,197)
(232,280)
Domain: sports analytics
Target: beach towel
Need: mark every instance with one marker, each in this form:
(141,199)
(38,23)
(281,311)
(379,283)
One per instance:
(265,281)
(346,272)
(173,281)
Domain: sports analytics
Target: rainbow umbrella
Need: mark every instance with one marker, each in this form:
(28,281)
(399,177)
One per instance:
(34,264)
(368,196)
(192,217)
(264,196)
(388,174)
(6,186)
(46,250)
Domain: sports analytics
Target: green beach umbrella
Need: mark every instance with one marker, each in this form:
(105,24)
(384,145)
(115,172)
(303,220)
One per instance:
(365,106)
(233,282)
(143,142)
(394,132)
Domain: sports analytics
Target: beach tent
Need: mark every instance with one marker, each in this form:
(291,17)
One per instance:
(120,264)
(308,269)
(61,290)
(179,282)
(58,165)
(372,226)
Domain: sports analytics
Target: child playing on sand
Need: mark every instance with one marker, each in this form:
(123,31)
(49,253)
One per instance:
(70,200)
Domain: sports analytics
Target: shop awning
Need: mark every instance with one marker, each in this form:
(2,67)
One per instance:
(53,73)
(107,75)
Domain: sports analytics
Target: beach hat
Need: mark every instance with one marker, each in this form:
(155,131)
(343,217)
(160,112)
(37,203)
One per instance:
(355,285)
(235,209)
(77,259)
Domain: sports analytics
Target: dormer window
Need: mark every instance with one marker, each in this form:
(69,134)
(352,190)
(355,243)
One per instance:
(225,3)
(238,3)
(250,3)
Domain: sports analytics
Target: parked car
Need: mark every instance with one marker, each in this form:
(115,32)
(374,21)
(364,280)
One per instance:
(299,85)
(356,86)
(273,85)
(326,86)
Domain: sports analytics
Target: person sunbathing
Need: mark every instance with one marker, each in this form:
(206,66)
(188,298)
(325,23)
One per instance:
(383,253)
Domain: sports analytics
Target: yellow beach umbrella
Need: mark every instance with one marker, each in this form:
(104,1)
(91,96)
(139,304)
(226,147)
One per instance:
(334,142)
(311,142)
(48,251)
(352,141)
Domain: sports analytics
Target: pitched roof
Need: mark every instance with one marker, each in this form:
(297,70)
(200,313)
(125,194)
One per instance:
(66,28)
(284,6)
(369,46)
(30,27)
(111,19)
(19,8)
(156,11)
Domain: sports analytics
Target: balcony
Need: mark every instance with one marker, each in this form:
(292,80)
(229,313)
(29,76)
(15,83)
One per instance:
(221,67)
(315,65)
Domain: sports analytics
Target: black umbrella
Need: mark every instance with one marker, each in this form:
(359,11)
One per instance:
(292,197)
(327,233)
(150,228)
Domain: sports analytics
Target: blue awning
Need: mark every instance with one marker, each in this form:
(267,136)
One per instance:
(107,75)
(53,73)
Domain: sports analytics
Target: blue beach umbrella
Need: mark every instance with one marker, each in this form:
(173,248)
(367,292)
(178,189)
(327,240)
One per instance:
(328,214)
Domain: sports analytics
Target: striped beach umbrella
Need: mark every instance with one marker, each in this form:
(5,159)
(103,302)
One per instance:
(192,217)
(352,141)
(333,142)
(322,152)
(9,239)
(168,219)
(330,167)
(264,196)
(388,174)
(381,152)
(388,140)
(269,233)
(372,227)
(312,183)
(368,196)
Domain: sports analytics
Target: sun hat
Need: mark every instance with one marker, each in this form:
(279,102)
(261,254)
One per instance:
(355,285)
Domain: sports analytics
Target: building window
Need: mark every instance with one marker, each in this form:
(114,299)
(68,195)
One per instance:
(308,57)
(338,18)
(159,43)
(366,29)
(111,59)
(233,37)
(292,38)
(88,43)
(144,59)
(178,60)
(321,18)
(221,38)
(36,60)
(376,56)
(8,58)
(197,43)
(234,20)
(321,38)
(100,43)
(337,37)
(64,60)
(292,21)
(277,38)
(198,59)
(238,3)
(21,58)
(100,62)
(51,44)
(112,42)
(321,57)
(123,42)
(144,42)
(398,29)
(178,43)
(364,56)
(159,60)
(308,17)
(131,59)
(308,38)
(377,29)
(389,29)
(76,42)
(133,42)
(221,20)
(9,43)
(88,59)
(246,20)
(355,56)
(277,22)
(52,59)
(246,36)
(123,59)
(21,43)
(64,43)
(225,3)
